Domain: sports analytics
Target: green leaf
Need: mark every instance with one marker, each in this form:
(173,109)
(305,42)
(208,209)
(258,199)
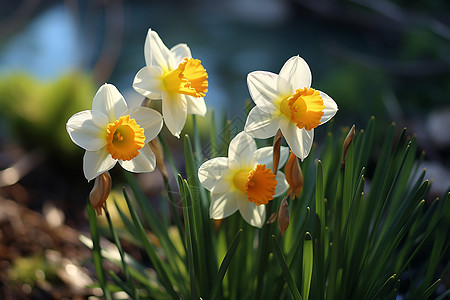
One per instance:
(320,204)
(307,265)
(287,275)
(160,266)
(429,291)
(132,289)
(201,234)
(225,264)
(96,251)
(187,213)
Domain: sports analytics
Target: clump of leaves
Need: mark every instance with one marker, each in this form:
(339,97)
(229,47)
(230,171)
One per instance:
(350,236)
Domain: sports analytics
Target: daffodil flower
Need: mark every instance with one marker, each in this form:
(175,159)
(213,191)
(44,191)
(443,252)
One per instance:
(176,78)
(286,101)
(243,181)
(112,132)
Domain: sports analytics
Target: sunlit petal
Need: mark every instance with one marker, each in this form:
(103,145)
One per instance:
(251,213)
(223,205)
(178,54)
(282,184)
(299,140)
(147,118)
(97,162)
(297,72)
(144,162)
(174,109)
(156,53)
(263,90)
(212,171)
(196,106)
(87,129)
(241,148)
(147,82)
(330,108)
(264,156)
(109,101)
(261,125)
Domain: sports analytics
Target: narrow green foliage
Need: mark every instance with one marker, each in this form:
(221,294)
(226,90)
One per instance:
(264,244)
(190,231)
(160,267)
(132,289)
(307,266)
(287,275)
(96,251)
(225,264)
(201,235)
(320,204)
(357,228)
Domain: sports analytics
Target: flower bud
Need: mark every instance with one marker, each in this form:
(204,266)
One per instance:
(276,150)
(283,216)
(294,176)
(347,142)
(100,192)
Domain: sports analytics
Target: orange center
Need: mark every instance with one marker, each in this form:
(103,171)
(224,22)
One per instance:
(304,108)
(258,184)
(190,78)
(124,138)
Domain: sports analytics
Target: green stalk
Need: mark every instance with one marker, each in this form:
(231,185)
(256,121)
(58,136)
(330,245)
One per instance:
(96,252)
(225,264)
(307,265)
(287,275)
(187,204)
(122,255)
(160,267)
(264,251)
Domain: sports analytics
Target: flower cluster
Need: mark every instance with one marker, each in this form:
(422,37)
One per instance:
(245,180)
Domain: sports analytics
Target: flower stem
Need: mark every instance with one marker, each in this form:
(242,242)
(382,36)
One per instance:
(264,251)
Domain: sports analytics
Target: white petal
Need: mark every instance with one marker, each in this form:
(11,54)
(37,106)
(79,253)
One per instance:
(196,106)
(156,53)
(178,54)
(297,72)
(174,110)
(241,149)
(330,108)
(222,186)
(212,171)
(284,87)
(282,184)
(147,118)
(109,101)
(147,82)
(264,156)
(223,205)
(261,125)
(87,129)
(144,162)
(263,90)
(253,214)
(299,140)
(97,162)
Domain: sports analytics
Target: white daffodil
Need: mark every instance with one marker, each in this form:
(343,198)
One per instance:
(176,78)
(111,132)
(287,102)
(243,181)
